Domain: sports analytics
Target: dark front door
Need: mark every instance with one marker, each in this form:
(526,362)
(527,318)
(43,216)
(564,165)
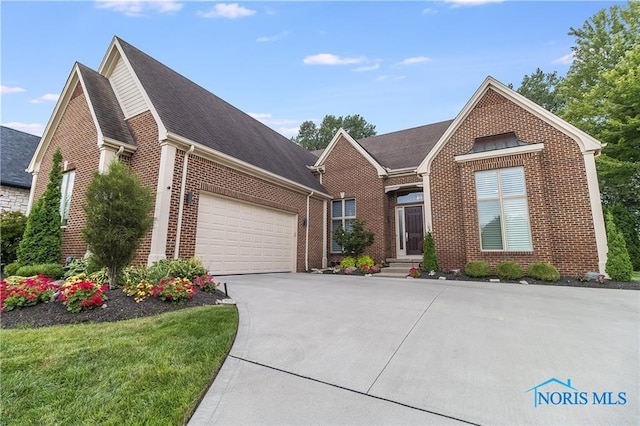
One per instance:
(413,224)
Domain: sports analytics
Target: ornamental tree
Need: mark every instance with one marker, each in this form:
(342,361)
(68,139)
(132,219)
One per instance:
(355,240)
(429,258)
(42,238)
(118,211)
(618,264)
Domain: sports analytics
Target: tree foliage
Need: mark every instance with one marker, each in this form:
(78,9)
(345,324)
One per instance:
(355,240)
(618,265)
(313,137)
(12,225)
(429,258)
(118,211)
(42,238)
(541,88)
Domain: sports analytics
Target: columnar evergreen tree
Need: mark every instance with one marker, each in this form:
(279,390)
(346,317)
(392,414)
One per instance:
(42,238)
(118,211)
(618,264)
(429,258)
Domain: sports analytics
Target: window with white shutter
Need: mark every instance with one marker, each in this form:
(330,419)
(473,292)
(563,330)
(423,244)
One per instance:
(503,215)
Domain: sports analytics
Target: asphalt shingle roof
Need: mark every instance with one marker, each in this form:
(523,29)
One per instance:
(191,111)
(404,148)
(105,105)
(16,150)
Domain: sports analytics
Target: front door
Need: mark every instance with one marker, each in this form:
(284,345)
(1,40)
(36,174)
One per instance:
(414,229)
(409,230)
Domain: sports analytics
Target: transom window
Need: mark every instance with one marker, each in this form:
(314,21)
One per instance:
(503,214)
(66,188)
(343,213)
(414,197)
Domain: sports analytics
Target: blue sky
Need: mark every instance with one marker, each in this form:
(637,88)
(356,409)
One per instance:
(398,64)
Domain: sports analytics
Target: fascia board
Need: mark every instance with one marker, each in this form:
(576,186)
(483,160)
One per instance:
(342,133)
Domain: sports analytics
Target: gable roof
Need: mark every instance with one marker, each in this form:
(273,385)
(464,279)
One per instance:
(586,142)
(16,150)
(404,148)
(342,134)
(192,112)
(105,106)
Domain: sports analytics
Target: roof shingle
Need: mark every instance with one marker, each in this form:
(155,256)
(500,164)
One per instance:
(16,150)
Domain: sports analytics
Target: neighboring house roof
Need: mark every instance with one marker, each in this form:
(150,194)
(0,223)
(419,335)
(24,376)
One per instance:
(16,150)
(404,148)
(317,152)
(188,110)
(105,106)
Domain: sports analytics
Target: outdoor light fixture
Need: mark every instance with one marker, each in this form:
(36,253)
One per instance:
(188,198)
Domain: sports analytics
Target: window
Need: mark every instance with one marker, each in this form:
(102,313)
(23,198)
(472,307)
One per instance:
(66,188)
(343,213)
(503,215)
(413,197)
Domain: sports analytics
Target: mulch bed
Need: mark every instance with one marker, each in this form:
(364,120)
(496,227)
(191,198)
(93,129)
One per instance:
(118,307)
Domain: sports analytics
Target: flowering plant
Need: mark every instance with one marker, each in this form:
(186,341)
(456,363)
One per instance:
(26,292)
(374,269)
(79,295)
(349,270)
(414,272)
(206,282)
(174,289)
(600,279)
(366,269)
(140,291)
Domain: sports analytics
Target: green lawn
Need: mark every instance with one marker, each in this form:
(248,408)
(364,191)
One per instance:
(150,371)
(635,276)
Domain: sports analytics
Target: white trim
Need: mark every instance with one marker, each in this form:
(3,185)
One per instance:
(428,214)
(183,184)
(587,143)
(112,143)
(400,252)
(407,171)
(596,210)
(342,133)
(106,67)
(107,155)
(209,153)
(325,260)
(306,237)
(390,188)
(534,147)
(34,180)
(162,204)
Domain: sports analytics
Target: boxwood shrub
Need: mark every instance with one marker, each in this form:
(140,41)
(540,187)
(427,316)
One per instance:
(477,269)
(543,271)
(52,270)
(509,270)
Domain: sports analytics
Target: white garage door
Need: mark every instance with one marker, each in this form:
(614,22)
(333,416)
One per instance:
(233,237)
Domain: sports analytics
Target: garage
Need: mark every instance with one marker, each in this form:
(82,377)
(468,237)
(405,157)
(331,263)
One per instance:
(235,237)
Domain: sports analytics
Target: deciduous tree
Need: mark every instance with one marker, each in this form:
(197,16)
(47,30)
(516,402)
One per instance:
(313,137)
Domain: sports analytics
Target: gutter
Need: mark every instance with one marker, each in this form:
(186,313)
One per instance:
(185,162)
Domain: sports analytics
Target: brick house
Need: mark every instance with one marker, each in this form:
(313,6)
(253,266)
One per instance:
(16,150)
(243,198)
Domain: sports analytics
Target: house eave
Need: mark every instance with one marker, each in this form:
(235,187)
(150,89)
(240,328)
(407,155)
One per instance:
(534,147)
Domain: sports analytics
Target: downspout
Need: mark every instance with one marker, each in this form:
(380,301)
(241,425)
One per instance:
(120,151)
(306,242)
(183,184)
(324,233)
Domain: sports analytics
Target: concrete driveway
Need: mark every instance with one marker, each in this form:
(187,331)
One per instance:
(322,349)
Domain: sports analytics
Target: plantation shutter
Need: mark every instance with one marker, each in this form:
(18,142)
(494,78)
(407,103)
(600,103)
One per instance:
(517,224)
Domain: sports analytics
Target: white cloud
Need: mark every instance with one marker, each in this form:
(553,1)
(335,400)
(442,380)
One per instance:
(272,38)
(139,7)
(285,127)
(33,128)
(459,3)
(415,60)
(429,11)
(566,59)
(367,68)
(330,59)
(227,10)
(5,90)
(259,115)
(49,97)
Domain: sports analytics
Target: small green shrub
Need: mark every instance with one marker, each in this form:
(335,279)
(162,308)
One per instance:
(364,260)
(348,262)
(354,241)
(543,271)
(619,266)
(12,226)
(477,269)
(177,268)
(509,270)
(52,270)
(11,269)
(75,267)
(132,275)
(100,276)
(429,258)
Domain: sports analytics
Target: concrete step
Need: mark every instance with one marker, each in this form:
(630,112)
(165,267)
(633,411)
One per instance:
(414,260)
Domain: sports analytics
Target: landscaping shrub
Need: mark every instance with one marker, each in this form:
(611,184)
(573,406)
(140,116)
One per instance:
(42,238)
(356,240)
(176,290)
(509,270)
(78,295)
(118,210)
(543,271)
(206,283)
(477,269)
(627,224)
(140,290)
(52,270)
(348,262)
(414,272)
(618,265)
(132,275)
(429,258)
(177,268)
(12,226)
(100,276)
(25,292)
(364,260)
(12,269)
